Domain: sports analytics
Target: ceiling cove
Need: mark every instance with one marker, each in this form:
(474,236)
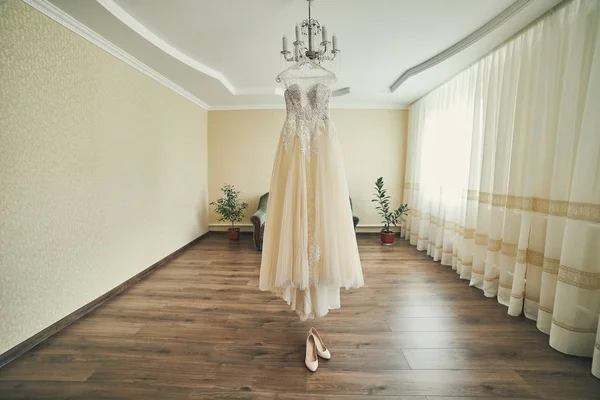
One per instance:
(462,44)
(119,13)
(123,16)
(265,97)
(58,15)
(141,30)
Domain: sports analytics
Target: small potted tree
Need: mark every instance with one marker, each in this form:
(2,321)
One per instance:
(389,217)
(231,209)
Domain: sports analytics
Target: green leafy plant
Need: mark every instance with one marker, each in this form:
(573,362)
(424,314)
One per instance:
(383,207)
(229,207)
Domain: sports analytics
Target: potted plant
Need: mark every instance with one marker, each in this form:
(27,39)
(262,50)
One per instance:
(231,209)
(389,217)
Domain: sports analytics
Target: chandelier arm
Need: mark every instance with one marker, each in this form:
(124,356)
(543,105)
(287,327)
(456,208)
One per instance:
(323,50)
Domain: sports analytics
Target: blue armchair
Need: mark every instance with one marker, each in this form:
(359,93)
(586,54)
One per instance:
(258,220)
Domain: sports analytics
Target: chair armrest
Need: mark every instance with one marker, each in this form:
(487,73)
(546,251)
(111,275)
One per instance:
(259,216)
(355,218)
(258,219)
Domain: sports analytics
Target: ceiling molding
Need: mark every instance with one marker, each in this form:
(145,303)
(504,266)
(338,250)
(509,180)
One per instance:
(334,92)
(114,10)
(248,107)
(147,34)
(118,12)
(369,106)
(55,13)
(281,106)
(462,44)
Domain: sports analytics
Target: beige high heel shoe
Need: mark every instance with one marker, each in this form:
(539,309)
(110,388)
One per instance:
(311,360)
(322,350)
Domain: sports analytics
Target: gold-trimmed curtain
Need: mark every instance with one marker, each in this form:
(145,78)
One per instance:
(503,176)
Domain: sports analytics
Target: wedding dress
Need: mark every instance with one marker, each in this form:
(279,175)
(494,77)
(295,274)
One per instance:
(309,245)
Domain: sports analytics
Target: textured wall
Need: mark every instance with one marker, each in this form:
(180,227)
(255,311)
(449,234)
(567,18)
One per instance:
(103,172)
(243,143)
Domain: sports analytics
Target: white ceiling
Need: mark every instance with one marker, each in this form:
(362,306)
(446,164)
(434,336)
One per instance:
(226,52)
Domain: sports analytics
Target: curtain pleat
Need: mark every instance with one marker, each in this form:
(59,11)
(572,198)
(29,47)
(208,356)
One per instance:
(503,176)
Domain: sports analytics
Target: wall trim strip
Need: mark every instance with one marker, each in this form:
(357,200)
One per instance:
(228,225)
(250,228)
(462,44)
(58,15)
(113,8)
(348,106)
(39,337)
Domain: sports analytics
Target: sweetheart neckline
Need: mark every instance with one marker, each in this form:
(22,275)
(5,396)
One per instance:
(313,87)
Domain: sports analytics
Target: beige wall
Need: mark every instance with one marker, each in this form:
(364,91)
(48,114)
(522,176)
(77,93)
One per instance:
(103,172)
(242,147)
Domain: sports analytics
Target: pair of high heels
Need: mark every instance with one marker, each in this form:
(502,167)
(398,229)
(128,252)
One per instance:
(315,348)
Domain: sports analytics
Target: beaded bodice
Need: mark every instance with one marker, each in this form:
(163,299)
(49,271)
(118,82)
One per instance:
(307,115)
(307,105)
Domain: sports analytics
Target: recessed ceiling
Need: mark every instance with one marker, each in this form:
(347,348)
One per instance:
(226,52)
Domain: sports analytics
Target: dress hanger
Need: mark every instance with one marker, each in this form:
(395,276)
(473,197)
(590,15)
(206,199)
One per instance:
(334,93)
(305,68)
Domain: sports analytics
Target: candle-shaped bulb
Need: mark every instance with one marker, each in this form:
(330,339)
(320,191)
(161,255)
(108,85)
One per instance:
(285,43)
(297,33)
(334,42)
(324,32)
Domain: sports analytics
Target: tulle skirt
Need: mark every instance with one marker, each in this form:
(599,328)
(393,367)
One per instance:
(309,243)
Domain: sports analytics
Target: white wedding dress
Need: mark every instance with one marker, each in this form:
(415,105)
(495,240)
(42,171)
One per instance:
(309,245)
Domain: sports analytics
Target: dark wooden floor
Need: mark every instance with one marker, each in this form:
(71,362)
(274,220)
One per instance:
(198,328)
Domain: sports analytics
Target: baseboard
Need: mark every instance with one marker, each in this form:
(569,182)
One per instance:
(39,337)
(224,227)
(361,228)
(373,228)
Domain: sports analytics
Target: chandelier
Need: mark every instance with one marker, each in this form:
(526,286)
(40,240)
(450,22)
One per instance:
(312,30)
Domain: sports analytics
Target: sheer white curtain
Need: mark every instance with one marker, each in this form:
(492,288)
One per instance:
(503,176)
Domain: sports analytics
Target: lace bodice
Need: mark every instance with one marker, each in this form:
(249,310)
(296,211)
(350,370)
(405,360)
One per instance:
(307,105)
(307,116)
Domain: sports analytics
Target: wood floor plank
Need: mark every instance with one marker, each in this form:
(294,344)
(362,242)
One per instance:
(398,312)
(97,348)
(493,357)
(563,385)
(198,394)
(158,372)
(105,327)
(422,383)
(331,324)
(34,370)
(459,323)
(19,390)
(199,328)
(476,398)
(313,396)
(367,360)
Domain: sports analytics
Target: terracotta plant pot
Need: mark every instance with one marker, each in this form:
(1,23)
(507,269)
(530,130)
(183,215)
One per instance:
(387,237)
(233,234)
